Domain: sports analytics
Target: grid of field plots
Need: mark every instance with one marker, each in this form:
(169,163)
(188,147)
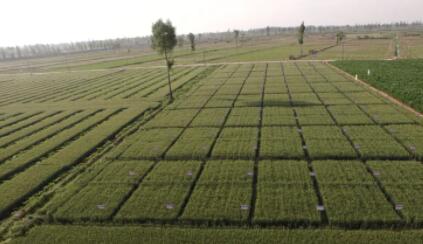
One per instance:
(51,122)
(295,144)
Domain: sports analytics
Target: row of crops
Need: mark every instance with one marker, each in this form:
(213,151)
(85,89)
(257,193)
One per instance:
(50,123)
(221,191)
(92,86)
(293,144)
(36,147)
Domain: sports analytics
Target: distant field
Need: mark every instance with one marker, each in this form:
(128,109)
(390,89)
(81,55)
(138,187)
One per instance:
(402,78)
(273,48)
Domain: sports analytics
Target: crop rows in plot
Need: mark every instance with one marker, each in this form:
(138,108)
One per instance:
(249,144)
(220,191)
(330,131)
(90,86)
(45,148)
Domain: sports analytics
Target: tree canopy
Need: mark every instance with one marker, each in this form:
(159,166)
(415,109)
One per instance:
(164,36)
(191,38)
(301,31)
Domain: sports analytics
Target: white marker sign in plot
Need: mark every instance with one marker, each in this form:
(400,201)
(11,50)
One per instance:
(320,208)
(244,207)
(101,206)
(170,206)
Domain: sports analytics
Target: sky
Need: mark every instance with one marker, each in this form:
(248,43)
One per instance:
(56,21)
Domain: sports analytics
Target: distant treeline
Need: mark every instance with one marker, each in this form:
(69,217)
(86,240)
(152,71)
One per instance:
(48,50)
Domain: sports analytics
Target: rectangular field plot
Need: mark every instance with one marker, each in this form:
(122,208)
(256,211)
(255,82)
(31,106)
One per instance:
(221,101)
(276,100)
(327,142)
(349,115)
(334,98)
(274,87)
(162,193)
(305,99)
(236,143)
(93,202)
(248,101)
(230,89)
(363,98)
(122,172)
(386,114)
(172,118)
(350,194)
(324,87)
(249,116)
(252,88)
(348,86)
(313,115)
(210,117)
(100,198)
(285,193)
(411,136)
(280,142)
(403,181)
(299,88)
(278,116)
(374,142)
(194,143)
(150,144)
(191,102)
(223,192)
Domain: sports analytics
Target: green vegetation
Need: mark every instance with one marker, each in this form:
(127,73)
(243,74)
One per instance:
(109,234)
(400,78)
(289,147)
(285,193)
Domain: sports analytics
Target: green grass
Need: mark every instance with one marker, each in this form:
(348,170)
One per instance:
(401,79)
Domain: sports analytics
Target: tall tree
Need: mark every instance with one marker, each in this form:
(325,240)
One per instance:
(164,41)
(268,31)
(397,47)
(340,37)
(191,38)
(301,31)
(236,33)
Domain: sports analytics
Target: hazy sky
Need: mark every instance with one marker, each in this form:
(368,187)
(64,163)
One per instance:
(52,21)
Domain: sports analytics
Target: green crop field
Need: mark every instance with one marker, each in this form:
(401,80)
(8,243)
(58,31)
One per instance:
(402,78)
(271,152)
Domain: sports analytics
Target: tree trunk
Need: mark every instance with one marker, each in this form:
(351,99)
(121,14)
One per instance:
(168,76)
(343,51)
